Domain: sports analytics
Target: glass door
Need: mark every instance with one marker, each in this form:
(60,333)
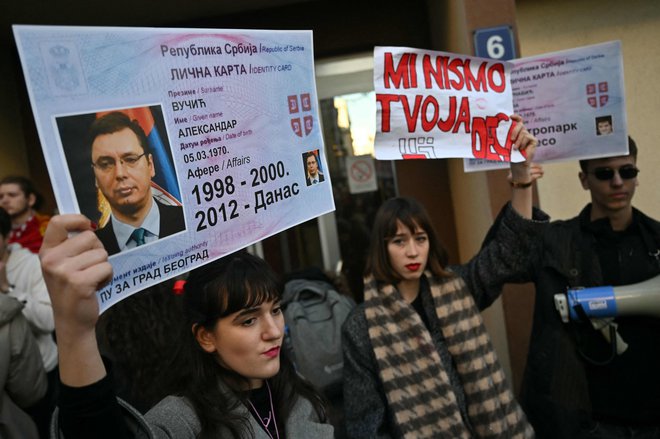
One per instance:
(359,182)
(337,242)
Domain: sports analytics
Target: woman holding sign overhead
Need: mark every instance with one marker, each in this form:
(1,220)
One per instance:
(232,380)
(418,362)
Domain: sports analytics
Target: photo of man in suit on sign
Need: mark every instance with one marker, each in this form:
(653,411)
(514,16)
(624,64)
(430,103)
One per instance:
(123,168)
(313,174)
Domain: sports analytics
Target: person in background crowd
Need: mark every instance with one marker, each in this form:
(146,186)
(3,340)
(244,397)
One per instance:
(21,200)
(22,373)
(21,278)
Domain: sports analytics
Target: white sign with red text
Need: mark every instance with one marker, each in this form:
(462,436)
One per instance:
(436,105)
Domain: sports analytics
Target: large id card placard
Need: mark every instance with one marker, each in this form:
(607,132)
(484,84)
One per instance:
(573,101)
(230,125)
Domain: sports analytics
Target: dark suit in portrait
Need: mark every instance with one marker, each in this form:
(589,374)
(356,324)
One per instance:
(319,177)
(171,222)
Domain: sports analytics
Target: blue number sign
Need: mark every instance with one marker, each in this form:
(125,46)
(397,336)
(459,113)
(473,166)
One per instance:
(495,42)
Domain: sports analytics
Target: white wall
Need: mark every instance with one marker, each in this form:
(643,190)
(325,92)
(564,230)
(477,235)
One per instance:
(551,25)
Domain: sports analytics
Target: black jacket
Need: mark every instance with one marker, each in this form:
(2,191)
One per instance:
(555,391)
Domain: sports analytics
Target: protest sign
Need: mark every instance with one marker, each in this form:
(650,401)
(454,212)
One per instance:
(573,101)
(435,105)
(212,158)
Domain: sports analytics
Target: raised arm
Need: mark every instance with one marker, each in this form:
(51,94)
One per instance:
(523,174)
(75,265)
(507,254)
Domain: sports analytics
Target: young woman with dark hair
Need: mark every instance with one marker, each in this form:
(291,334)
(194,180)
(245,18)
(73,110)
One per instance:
(418,362)
(232,381)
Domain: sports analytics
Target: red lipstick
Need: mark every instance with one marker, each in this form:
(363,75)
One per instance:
(272,352)
(413,267)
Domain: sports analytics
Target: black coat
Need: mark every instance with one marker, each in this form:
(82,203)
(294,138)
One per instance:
(555,391)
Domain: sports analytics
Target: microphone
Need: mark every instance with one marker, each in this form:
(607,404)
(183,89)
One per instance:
(642,299)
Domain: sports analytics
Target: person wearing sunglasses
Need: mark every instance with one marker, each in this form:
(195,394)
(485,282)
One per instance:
(577,382)
(123,169)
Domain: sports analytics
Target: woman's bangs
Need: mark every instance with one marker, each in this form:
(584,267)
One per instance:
(249,291)
(407,219)
(258,295)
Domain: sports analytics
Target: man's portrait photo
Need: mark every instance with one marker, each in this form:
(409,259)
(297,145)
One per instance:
(122,170)
(312,164)
(604,125)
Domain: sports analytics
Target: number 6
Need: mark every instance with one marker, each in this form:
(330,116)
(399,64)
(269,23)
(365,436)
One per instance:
(494,47)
